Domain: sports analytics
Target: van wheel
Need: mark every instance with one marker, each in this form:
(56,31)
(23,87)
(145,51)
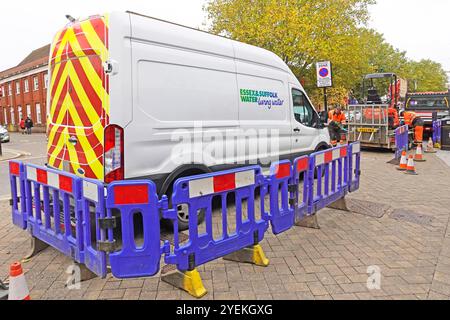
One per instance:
(183,215)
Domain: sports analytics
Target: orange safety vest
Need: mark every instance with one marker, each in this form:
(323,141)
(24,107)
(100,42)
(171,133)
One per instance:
(409,117)
(340,118)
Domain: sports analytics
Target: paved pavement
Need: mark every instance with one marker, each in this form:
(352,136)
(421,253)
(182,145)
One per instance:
(33,150)
(330,263)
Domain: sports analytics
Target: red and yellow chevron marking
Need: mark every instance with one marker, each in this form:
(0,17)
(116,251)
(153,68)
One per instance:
(79,97)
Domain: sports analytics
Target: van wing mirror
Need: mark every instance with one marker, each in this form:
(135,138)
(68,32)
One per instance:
(323,117)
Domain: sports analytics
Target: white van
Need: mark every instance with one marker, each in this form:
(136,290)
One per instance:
(127,91)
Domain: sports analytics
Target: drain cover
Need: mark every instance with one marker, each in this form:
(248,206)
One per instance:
(411,216)
(366,208)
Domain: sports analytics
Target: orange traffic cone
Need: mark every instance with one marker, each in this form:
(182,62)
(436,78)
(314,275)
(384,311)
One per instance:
(411,168)
(430,147)
(403,162)
(419,154)
(18,288)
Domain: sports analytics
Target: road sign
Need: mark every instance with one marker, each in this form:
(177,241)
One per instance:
(324,74)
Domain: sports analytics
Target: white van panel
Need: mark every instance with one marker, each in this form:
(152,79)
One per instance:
(121,111)
(197,87)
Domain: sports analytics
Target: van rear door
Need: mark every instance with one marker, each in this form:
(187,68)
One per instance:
(79,98)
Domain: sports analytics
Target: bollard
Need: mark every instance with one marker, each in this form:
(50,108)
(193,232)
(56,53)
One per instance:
(1,152)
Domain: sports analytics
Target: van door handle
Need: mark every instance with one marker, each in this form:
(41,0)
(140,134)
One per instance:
(297,130)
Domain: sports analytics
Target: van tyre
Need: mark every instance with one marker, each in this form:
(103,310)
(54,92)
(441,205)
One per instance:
(183,216)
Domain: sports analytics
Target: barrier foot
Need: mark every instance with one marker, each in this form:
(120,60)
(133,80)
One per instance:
(341,204)
(437,145)
(310,222)
(36,247)
(254,255)
(189,281)
(394,161)
(85,273)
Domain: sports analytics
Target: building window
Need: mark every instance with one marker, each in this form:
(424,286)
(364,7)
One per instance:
(17,87)
(26,85)
(46,80)
(36,83)
(4,115)
(9,89)
(2,92)
(19,110)
(13,120)
(28,110)
(38,113)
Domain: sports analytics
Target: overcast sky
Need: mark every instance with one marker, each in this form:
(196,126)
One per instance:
(416,26)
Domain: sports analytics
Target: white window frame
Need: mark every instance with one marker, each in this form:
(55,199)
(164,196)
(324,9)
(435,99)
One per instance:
(17,88)
(26,86)
(9,89)
(36,83)
(12,114)
(20,112)
(5,113)
(38,113)
(46,81)
(28,110)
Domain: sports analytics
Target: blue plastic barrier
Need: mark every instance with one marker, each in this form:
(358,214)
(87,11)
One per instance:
(94,233)
(401,141)
(437,131)
(354,164)
(301,166)
(197,193)
(331,169)
(54,212)
(16,175)
(133,198)
(282,212)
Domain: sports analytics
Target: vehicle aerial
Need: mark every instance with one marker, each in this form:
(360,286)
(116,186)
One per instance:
(4,135)
(425,104)
(128,90)
(378,115)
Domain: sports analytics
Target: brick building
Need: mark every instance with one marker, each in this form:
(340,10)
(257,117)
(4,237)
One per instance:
(23,91)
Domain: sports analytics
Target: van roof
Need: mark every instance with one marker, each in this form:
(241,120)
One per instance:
(259,52)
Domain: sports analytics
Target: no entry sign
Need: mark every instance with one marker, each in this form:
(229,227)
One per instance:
(324,76)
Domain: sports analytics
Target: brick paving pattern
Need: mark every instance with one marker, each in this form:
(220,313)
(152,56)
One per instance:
(330,263)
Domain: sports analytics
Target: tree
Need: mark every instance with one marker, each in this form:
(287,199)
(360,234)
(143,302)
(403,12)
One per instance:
(426,75)
(301,32)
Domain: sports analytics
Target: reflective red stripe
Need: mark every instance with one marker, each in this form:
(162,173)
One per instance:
(132,194)
(283,170)
(343,152)
(14,168)
(224,183)
(41,176)
(65,183)
(329,157)
(302,165)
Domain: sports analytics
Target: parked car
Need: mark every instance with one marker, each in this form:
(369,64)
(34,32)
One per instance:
(4,135)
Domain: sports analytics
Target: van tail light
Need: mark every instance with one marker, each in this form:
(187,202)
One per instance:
(114,155)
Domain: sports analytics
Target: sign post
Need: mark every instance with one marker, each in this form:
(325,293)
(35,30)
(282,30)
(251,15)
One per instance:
(324,79)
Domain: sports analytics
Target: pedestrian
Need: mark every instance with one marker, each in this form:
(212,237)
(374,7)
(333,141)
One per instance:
(28,124)
(22,125)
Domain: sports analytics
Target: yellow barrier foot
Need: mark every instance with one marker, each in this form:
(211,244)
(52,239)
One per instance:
(308,222)
(36,247)
(254,255)
(437,145)
(189,281)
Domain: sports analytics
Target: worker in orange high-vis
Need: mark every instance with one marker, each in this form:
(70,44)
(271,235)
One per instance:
(336,119)
(414,121)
